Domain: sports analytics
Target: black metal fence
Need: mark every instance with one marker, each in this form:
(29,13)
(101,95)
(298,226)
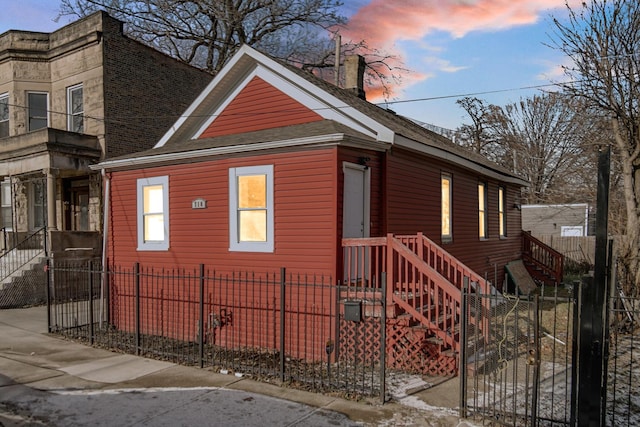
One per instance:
(275,327)
(518,372)
(22,276)
(524,371)
(623,375)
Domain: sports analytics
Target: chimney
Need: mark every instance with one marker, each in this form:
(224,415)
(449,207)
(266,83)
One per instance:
(354,66)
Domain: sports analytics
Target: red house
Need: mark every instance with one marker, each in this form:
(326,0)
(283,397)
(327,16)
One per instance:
(272,167)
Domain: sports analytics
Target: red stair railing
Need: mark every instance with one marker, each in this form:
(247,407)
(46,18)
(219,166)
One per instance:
(542,257)
(422,279)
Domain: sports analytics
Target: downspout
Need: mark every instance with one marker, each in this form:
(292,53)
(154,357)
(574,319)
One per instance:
(105,229)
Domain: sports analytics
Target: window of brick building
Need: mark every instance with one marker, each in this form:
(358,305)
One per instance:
(4,115)
(5,205)
(38,107)
(75,109)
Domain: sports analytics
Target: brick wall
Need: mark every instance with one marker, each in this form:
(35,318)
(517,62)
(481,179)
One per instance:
(145,92)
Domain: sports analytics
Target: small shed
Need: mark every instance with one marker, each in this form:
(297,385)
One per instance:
(561,220)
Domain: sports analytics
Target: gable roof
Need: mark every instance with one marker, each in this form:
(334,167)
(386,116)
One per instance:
(334,115)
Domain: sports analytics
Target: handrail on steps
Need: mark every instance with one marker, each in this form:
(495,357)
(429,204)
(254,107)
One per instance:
(422,278)
(542,256)
(23,252)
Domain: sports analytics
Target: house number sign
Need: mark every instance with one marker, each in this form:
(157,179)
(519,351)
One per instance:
(199,204)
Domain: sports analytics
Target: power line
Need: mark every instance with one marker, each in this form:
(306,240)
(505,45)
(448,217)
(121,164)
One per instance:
(115,119)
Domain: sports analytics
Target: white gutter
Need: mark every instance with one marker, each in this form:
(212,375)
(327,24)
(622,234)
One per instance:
(321,140)
(459,160)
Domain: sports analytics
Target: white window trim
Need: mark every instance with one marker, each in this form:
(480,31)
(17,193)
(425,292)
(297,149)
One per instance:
(70,114)
(29,109)
(156,245)
(502,213)
(234,244)
(483,228)
(447,238)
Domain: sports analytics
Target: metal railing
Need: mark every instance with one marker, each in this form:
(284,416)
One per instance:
(22,253)
(272,326)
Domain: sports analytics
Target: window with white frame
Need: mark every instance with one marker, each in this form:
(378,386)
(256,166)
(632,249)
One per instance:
(482,210)
(446,219)
(4,115)
(251,209)
(75,109)
(5,205)
(153,214)
(38,109)
(501,212)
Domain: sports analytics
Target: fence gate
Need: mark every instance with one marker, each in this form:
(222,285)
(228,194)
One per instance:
(518,353)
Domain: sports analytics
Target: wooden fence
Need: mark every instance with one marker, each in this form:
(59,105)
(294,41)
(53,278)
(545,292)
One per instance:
(578,249)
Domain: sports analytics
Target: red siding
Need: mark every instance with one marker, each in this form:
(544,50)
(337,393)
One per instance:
(413,205)
(259,106)
(305,215)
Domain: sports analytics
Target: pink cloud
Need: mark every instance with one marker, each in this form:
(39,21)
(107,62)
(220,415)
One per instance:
(382,23)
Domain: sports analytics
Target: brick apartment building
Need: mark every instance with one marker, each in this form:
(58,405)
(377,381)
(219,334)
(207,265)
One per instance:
(70,99)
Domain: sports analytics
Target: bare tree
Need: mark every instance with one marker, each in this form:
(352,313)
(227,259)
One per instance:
(548,139)
(206,33)
(477,136)
(545,138)
(601,38)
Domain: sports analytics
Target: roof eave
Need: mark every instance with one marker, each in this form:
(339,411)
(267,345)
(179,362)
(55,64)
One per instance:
(154,160)
(456,159)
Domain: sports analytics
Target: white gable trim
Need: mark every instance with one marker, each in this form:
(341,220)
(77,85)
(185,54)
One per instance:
(300,89)
(314,103)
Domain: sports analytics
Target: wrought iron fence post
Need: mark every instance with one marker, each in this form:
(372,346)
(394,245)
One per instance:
(136,273)
(536,360)
(91,330)
(283,272)
(47,270)
(577,298)
(463,346)
(201,322)
(383,339)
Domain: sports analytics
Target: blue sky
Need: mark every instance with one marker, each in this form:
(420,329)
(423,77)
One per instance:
(452,47)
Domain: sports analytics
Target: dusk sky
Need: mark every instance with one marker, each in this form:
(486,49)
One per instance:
(452,47)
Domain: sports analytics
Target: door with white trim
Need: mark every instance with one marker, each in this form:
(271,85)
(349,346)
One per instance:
(355,218)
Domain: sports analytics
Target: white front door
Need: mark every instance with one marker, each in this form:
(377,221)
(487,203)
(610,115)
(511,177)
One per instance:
(355,218)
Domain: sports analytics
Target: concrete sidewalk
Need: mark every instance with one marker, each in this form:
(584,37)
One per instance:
(45,363)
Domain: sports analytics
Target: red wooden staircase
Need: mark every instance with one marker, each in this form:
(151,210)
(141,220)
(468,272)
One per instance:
(421,293)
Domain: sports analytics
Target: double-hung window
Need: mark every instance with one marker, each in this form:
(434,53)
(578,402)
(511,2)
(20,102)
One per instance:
(446,219)
(38,109)
(4,115)
(75,109)
(482,210)
(251,209)
(501,212)
(153,213)
(5,205)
